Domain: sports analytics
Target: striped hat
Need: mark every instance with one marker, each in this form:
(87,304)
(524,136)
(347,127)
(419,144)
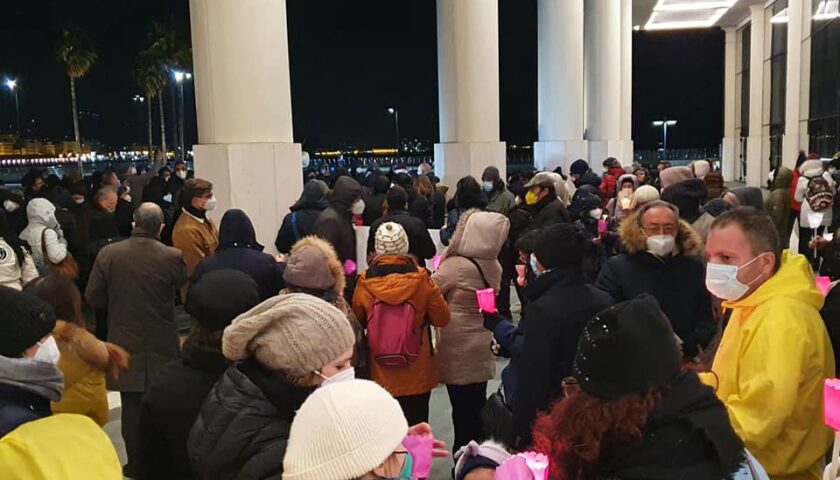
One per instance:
(391,239)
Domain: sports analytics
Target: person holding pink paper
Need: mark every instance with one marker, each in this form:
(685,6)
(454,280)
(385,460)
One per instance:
(356,430)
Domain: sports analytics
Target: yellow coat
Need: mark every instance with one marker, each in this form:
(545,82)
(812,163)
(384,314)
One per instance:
(64,446)
(771,364)
(83,362)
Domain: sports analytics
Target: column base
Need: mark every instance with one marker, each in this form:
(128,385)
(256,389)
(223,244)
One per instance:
(454,161)
(550,155)
(600,150)
(262,179)
(729,160)
(626,156)
(754,161)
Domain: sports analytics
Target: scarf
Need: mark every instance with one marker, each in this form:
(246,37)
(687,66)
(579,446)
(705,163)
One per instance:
(34,376)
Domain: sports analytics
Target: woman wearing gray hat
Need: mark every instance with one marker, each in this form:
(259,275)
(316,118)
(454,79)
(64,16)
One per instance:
(284,348)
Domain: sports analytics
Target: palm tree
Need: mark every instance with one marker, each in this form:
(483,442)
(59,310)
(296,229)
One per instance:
(77,57)
(168,50)
(151,80)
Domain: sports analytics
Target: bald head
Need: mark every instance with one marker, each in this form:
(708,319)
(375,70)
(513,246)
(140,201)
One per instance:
(148,217)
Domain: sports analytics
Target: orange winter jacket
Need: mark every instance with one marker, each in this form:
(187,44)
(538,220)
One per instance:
(396,279)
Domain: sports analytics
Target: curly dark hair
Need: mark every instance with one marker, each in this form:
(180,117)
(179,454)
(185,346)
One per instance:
(581,430)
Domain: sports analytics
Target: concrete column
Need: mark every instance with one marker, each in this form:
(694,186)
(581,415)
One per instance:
(755,157)
(602,58)
(243,102)
(626,82)
(560,84)
(805,81)
(468,83)
(790,142)
(729,160)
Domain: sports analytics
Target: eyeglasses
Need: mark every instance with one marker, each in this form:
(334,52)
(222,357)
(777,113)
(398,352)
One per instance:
(668,229)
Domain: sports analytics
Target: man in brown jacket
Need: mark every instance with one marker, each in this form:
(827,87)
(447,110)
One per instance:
(136,280)
(195,235)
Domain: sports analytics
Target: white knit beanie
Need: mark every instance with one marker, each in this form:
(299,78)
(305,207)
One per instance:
(343,431)
(391,239)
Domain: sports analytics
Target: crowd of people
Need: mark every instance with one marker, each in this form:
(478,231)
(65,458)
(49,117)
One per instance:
(665,331)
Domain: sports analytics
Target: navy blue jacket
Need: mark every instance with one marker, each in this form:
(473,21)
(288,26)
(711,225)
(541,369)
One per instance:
(238,250)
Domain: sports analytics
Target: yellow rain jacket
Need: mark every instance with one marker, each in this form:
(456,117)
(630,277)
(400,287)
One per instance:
(61,447)
(773,358)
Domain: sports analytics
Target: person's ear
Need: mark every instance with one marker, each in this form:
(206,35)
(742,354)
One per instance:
(768,263)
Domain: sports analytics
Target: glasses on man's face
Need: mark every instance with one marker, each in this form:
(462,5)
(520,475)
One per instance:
(654,229)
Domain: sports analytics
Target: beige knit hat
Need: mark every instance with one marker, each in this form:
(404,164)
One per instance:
(645,194)
(295,333)
(391,239)
(343,431)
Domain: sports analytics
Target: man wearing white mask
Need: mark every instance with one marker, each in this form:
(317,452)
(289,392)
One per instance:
(663,258)
(775,352)
(29,378)
(194,233)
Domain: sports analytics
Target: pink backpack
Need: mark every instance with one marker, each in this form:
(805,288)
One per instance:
(393,339)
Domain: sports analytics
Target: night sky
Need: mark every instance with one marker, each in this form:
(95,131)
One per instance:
(350,61)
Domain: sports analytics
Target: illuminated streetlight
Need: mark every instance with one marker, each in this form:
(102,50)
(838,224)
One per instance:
(393,111)
(664,124)
(11,84)
(180,76)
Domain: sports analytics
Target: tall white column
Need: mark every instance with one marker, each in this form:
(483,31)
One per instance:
(795,87)
(243,101)
(626,155)
(755,157)
(729,160)
(468,83)
(602,58)
(560,84)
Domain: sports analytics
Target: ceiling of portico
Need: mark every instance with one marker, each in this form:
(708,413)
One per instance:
(675,14)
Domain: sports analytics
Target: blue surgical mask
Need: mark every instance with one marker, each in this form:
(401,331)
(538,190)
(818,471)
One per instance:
(534,264)
(405,473)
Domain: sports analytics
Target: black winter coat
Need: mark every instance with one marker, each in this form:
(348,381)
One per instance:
(438,209)
(170,406)
(243,427)
(420,243)
(303,215)
(335,224)
(548,211)
(560,304)
(420,207)
(18,406)
(238,250)
(677,282)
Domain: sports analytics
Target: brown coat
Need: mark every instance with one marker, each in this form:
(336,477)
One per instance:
(407,283)
(84,360)
(136,280)
(464,354)
(195,240)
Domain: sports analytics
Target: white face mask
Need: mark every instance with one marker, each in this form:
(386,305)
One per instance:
(167,198)
(596,214)
(210,205)
(342,376)
(722,280)
(358,207)
(10,206)
(127,198)
(79,201)
(661,245)
(487,186)
(48,351)
(182,174)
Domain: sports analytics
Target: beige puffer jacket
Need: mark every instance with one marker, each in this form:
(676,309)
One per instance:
(464,354)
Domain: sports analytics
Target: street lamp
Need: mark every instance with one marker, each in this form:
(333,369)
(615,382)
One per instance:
(180,77)
(664,124)
(393,111)
(12,86)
